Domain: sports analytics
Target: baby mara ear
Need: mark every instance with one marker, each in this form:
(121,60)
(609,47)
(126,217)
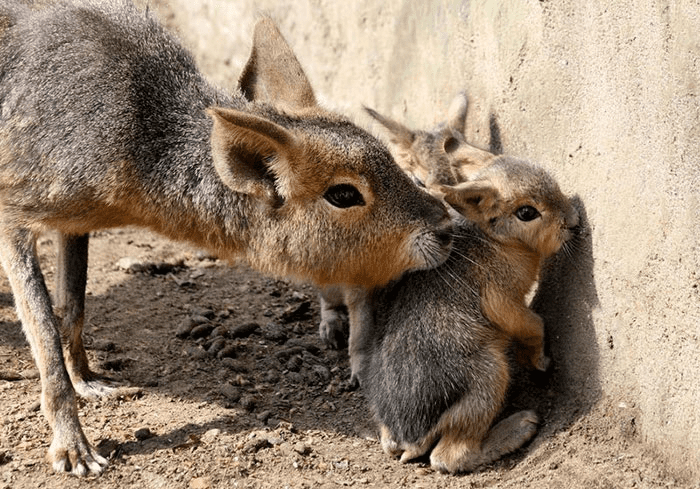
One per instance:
(457,113)
(399,134)
(251,154)
(478,201)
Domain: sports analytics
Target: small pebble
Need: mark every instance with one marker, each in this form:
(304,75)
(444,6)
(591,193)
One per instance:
(302,448)
(203,311)
(200,483)
(275,333)
(197,352)
(202,255)
(201,331)
(130,264)
(284,355)
(210,435)
(294,364)
(143,434)
(220,331)
(321,372)
(186,326)
(217,346)
(247,403)
(234,364)
(228,351)
(230,392)
(264,416)
(199,319)
(243,330)
(256,444)
(296,312)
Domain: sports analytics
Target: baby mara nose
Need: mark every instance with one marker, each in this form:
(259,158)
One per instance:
(444,236)
(573,220)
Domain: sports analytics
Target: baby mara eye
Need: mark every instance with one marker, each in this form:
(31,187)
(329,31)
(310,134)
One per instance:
(343,196)
(527,213)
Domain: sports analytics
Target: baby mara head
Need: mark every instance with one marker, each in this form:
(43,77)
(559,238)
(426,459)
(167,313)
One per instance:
(517,204)
(441,156)
(511,200)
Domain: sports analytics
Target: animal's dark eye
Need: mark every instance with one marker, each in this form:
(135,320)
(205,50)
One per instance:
(527,213)
(450,144)
(343,196)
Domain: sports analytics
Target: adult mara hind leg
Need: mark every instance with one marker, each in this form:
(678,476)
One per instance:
(69,450)
(71,280)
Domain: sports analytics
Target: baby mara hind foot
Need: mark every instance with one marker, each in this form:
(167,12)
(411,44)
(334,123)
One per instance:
(453,453)
(457,452)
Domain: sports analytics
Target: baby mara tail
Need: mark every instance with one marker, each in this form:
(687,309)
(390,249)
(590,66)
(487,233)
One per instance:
(435,368)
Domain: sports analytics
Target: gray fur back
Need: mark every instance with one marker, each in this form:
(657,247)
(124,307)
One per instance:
(83,88)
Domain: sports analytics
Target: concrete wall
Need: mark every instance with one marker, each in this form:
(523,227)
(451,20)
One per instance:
(604,94)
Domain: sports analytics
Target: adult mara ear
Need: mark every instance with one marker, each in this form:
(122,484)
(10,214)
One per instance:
(399,134)
(477,201)
(273,73)
(457,113)
(250,152)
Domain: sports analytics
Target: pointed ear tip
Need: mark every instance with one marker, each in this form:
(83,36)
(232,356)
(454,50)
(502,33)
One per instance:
(266,27)
(264,22)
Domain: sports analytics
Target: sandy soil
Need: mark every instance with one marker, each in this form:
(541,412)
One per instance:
(251,398)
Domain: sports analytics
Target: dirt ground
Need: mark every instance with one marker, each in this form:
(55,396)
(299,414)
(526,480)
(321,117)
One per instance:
(230,386)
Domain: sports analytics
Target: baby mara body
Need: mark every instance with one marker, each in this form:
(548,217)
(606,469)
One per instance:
(106,122)
(434,364)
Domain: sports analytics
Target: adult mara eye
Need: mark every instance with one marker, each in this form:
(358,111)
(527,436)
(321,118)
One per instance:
(527,213)
(343,196)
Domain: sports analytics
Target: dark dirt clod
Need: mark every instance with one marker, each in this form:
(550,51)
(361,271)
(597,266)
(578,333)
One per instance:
(243,330)
(201,331)
(143,434)
(297,312)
